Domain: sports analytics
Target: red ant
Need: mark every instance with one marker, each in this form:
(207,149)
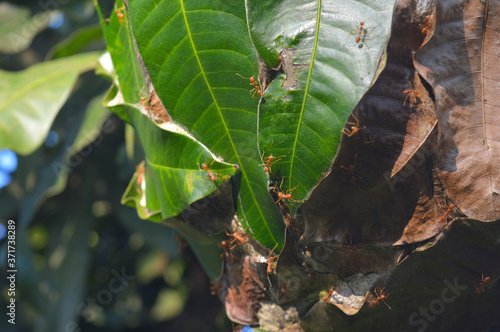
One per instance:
(482,284)
(270,262)
(237,328)
(283,196)
(140,173)
(350,169)
(214,288)
(355,128)
(361,33)
(238,236)
(379,297)
(268,161)
(446,213)
(211,175)
(411,93)
(119,14)
(144,100)
(426,29)
(257,89)
(227,250)
(326,298)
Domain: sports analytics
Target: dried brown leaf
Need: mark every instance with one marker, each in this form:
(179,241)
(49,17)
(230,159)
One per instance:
(462,64)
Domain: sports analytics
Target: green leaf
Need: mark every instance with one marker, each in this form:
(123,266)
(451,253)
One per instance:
(174,177)
(193,50)
(120,44)
(135,196)
(171,179)
(77,42)
(17,28)
(30,99)
(324,73)
(165,185)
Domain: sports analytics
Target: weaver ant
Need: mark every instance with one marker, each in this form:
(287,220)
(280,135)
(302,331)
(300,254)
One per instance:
(144,100)
(211,175)
(484,281)
(237,328)
(271,265)
(355,128)
(351,168)
(283,196)
(140,173)
(238,236)
(119,14)
(446,213)
(361,33)
(412,94)
(268,161)
(379,297)
(214,288)
(227,250)
(326,298)
(426,29)
(257,89)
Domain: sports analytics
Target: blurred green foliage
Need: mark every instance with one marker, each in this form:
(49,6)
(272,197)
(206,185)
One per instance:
(84,261)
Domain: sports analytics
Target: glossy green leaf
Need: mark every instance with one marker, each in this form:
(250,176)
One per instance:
(325,71)
(121,48)
(30,99)
(193,50)
(177,182)
(144,198)
(173,158)
(18,27)
(171,179)
(135,196)
(165,185)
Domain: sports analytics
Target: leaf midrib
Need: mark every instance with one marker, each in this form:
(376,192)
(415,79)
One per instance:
(244,176)
(306,92)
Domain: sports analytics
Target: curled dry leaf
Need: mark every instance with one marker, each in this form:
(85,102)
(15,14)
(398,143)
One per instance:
(462,64)
(245,290)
